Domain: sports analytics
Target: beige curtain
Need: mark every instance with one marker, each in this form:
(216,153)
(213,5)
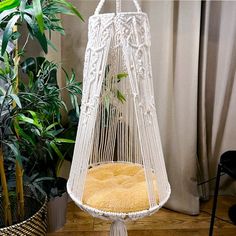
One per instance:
(217,90)
(175,28)
(195,101)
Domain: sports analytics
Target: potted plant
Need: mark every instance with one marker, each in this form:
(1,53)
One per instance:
(42,133)
(18,209)
(39,16)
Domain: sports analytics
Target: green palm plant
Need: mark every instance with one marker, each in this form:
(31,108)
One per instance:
(40,16)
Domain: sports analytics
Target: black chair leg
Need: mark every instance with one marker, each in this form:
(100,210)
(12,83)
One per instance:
(215,200)
(232,213)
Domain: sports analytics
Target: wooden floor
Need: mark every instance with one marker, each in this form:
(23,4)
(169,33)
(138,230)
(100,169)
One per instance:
(163,223)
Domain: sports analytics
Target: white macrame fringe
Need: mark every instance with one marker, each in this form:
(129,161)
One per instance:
(118,228)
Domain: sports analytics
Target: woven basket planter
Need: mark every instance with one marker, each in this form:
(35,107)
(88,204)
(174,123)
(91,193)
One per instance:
(35,223)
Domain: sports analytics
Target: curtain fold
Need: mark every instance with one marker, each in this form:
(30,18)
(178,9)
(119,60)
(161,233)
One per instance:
(217,90)
(175,28)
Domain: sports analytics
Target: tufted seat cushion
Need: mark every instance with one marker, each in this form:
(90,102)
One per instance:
(117,187)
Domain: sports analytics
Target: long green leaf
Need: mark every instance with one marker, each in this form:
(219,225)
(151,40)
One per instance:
(71,7)
(120,96)
(16,99)
(20,133)
(33,176)
(22,6)
(28,120)
(6,13)
(56,149)
(64,140)
(51,126)
(8,32)
(8,4)
(54,133)
(7,63)
(38,14)
(43,179)
(58,166)
(36,119)
(2,91)
(16,152)
(121,76)
(64,105)
(37,33)
(39,189)
(50,43)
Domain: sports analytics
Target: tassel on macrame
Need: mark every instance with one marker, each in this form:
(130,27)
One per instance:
(118,228)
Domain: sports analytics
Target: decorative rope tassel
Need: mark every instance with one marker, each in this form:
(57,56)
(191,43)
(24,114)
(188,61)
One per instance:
(118,228)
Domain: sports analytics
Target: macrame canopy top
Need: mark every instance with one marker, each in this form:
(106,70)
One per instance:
(118,168)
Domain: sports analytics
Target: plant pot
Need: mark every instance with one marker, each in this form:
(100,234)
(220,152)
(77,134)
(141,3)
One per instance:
(57,207)
(35,223)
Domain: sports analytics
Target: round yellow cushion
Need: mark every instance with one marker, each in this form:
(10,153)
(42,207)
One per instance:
(117,187)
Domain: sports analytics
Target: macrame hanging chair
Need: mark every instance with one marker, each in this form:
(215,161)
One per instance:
(118,171)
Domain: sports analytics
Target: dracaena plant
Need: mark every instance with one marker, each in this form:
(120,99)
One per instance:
(9,103)
(38,124)
(29,115)
(40,16)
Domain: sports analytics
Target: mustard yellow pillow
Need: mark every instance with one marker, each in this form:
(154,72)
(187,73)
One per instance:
(117,187)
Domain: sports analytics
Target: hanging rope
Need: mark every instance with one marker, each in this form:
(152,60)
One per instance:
(118,6)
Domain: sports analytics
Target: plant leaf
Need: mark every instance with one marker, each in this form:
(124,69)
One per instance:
(51,126)
(64,140)
(22,6)
(120,96)
(121,76)
(20,133)
(54,133)
(16,99)
(56,149)
(39,189)
(51,45)
(36,120)
(37,33)
(6,13)
(28,120)
(8,32)
(16,152)
(2,91)
(44,179)
(71,7)
(8,4)
(38,14)
(6,63)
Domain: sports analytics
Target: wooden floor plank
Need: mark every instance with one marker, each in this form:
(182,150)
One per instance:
(163,223)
